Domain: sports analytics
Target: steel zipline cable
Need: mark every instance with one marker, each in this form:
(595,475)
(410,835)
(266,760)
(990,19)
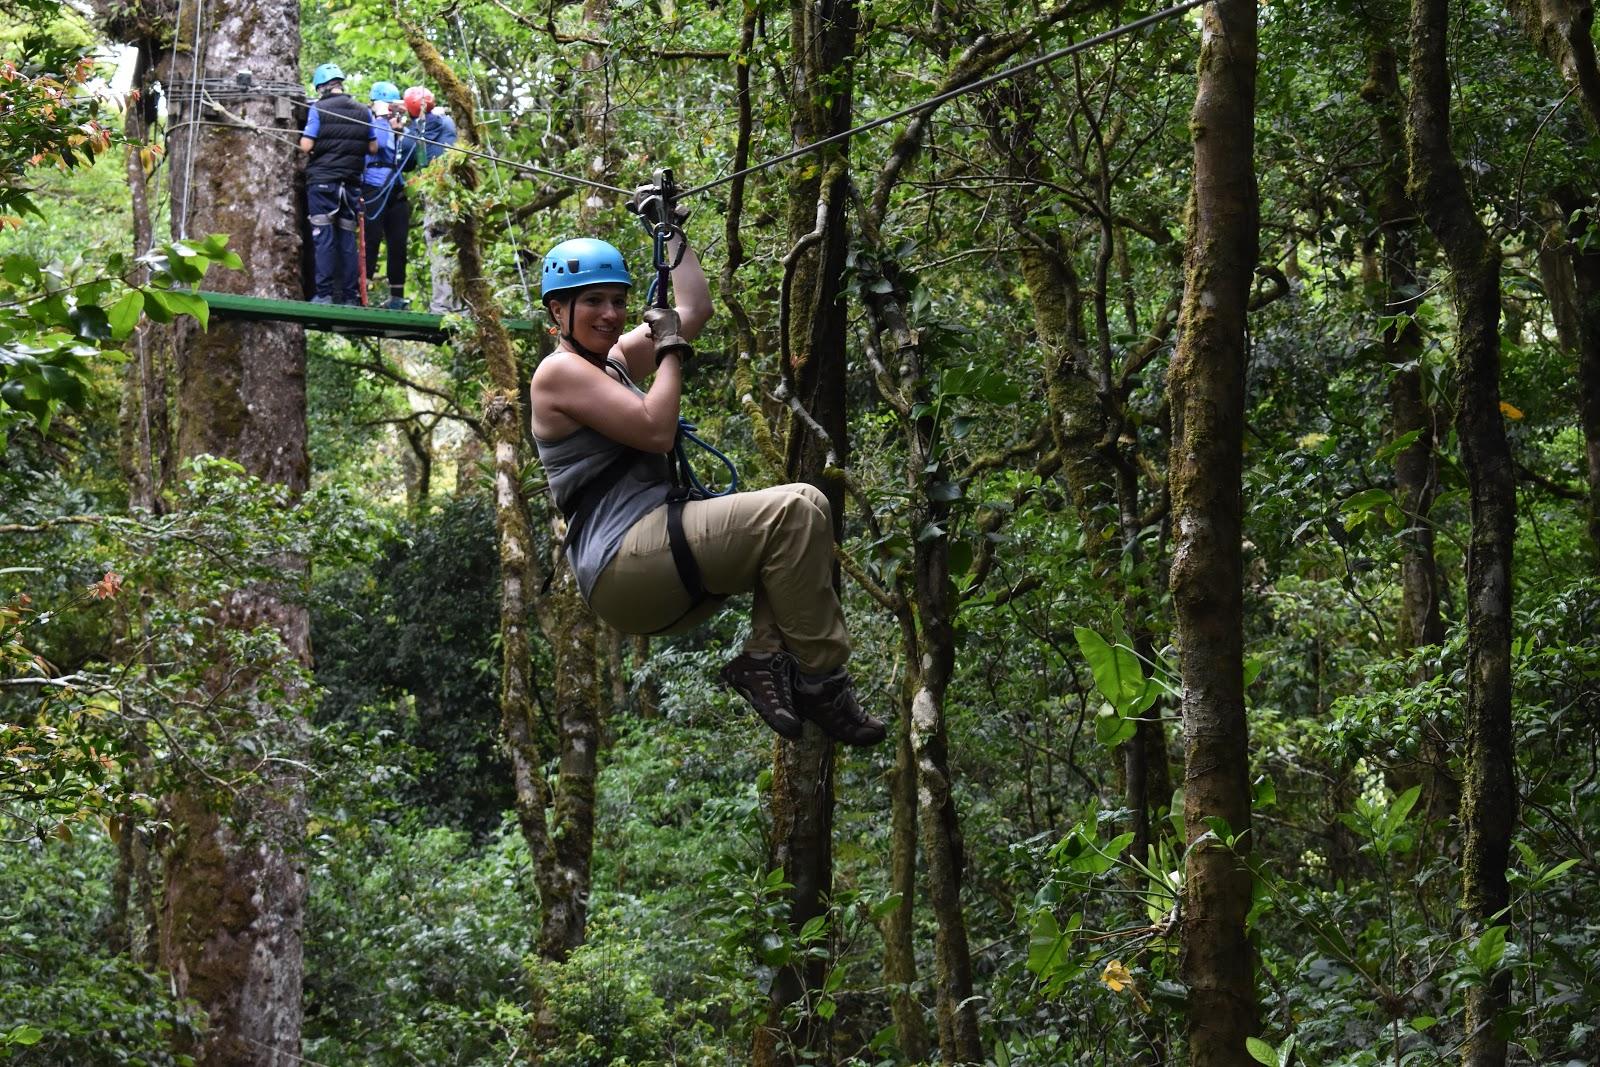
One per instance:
(924,105)
(971,87)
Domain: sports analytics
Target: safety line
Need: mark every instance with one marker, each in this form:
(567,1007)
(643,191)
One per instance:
(490,156)
(196,47)
(925,105)
(933,102)
(499,179)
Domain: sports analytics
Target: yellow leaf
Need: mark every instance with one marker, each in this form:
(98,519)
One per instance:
(1116,976)
(1312,440)
(1510,412)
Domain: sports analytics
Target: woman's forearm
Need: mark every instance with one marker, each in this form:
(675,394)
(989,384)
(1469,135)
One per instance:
(691,290)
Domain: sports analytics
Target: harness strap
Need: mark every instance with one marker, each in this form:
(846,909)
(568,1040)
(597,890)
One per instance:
(682,554)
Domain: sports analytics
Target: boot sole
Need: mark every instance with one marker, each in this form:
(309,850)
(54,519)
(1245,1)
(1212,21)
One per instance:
(779,727)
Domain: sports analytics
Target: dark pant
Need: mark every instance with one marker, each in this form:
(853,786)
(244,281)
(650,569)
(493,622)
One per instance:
(388,221)
(331,208)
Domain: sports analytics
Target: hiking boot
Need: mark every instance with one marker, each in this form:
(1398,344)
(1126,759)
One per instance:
(831,703)
(325,300)
(396,303)
(766,681)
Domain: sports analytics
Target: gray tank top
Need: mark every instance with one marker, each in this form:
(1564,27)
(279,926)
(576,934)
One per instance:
(571,463)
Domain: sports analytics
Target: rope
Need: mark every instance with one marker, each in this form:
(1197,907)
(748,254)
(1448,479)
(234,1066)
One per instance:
(971,87)
(490,157)
(195,48)
(686,431)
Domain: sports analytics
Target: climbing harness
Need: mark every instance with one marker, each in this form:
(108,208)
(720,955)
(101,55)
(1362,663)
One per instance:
(656,206)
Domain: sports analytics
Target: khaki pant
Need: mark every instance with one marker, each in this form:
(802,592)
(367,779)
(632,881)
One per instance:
(777,542)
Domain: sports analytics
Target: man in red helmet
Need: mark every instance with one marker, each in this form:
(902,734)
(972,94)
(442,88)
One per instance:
(435,134)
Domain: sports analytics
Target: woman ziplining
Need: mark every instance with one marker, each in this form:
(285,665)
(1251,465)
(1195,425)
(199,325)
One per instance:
(652,552)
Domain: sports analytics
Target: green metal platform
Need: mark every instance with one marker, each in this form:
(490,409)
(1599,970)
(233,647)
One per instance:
(357,321)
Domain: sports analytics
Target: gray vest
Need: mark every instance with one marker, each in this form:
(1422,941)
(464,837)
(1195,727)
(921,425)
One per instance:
(571,463)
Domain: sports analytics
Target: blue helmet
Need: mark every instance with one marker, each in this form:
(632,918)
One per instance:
(386,91)
(328,72)
(580,263)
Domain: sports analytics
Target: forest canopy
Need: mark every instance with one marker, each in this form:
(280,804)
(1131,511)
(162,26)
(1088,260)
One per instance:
(1210,419)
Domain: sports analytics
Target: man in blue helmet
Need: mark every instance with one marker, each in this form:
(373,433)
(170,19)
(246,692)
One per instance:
(650,558)
(337,139)
(383,190)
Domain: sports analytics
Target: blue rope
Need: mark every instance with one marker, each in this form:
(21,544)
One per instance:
(686,432)
(399,161)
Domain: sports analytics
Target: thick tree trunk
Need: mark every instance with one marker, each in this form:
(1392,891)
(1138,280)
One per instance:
(235,887)
(1489,800)
(1563,30)
(823,36)
(1206,384)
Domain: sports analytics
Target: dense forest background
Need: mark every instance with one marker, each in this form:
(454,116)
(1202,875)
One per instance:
(1213,421)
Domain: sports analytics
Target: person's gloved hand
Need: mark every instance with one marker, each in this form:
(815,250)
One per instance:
(664,331)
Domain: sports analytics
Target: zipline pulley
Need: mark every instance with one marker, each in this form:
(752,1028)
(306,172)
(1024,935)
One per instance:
(657,207)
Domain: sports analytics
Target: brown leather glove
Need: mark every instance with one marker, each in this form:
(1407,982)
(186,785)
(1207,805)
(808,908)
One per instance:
(664,331)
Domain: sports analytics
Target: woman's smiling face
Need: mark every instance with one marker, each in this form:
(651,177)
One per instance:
(599,316)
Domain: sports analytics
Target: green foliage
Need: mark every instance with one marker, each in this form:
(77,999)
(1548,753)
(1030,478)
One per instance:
(414,945)
(404,644)
(54,323)
(64,996)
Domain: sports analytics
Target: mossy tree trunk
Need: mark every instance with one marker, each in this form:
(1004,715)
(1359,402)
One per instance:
(1206,385)
(1586,277)
(823,37)
(1489,797)
(561,844)
(1563,30)
(1397,292)
(1086,405)
(235,881)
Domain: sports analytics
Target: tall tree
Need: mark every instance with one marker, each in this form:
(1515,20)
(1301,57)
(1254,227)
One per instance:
(561,844)
(1563,30)
(1398,296)
(1489,795)
(235,883)
(823,39)
(1206,385)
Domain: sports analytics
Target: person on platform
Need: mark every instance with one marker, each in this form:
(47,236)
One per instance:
(434,132)
(383,190)
(337,139)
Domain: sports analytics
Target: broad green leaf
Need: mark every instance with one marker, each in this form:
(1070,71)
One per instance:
(1489,949)
(124,314)
(1401,808)
(1261,1052)
(1398,445)
(183,303)
(1557,871)
(1366,500)
(1114,730)
(1116,670)
(25,1034)
(158,306)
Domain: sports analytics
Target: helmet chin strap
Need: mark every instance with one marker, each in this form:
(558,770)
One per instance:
(568,336)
